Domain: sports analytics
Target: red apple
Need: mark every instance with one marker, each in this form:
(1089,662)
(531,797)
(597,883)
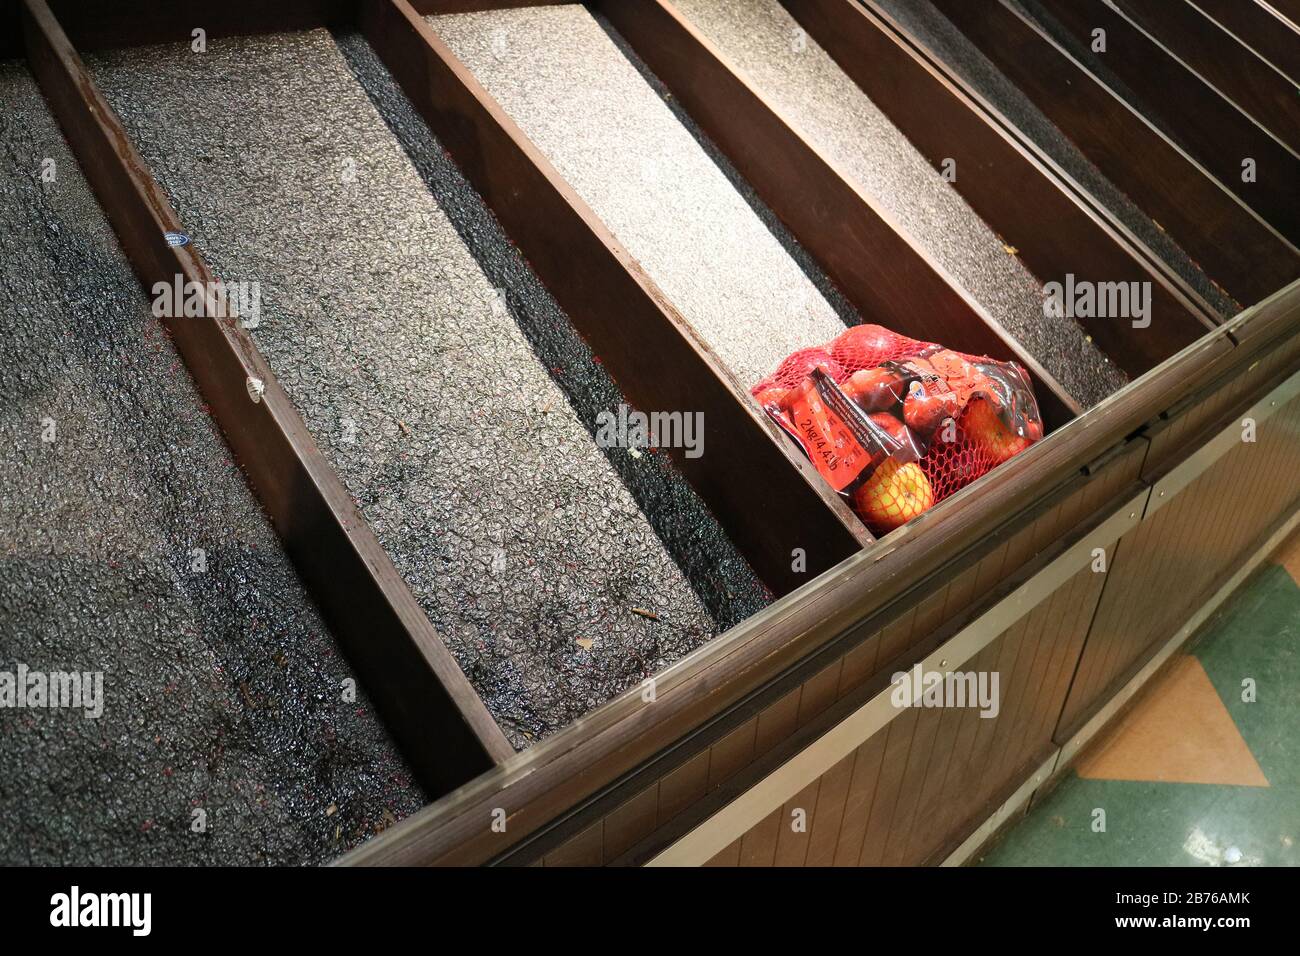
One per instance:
(924,409)
(800,364)
(872,344)
(896,429)
(874,389)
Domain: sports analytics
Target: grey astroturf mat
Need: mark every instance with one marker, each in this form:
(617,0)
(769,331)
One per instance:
(131,547)
(409,362)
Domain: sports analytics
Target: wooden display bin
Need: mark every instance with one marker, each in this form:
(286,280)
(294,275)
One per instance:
(1072,571)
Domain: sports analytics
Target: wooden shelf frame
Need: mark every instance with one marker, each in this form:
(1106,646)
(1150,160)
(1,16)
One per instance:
(559,789)
(1209,125)
(650,349)
(419,690)
(438,720)
(1008,181)
(887,276)
(1233,244)
(1198,32)
(436,716)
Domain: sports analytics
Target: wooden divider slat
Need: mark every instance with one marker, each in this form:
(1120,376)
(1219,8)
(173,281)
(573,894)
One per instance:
(1021,643)
(858,803)
(778,721)
(683,786)
(732,752)
(1260,90)
(946,801)
(928,798)
(913,785)
(1021,688)
(929,613)
(763,491)
(859,665)
(896,637)
(1268,32)
(882,271)
(1287,8)
(1234,245)
(434,713)
(970,785)
(122,23)
(11,34)
(1078,607)
(819,692)
(1008,181)
(961,591)
(1021,693)
(1212,128)
(986,731)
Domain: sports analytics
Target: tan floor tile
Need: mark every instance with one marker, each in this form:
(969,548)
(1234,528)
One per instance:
(1180,732)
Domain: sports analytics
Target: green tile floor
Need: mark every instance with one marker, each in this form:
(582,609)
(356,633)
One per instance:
(1255,635)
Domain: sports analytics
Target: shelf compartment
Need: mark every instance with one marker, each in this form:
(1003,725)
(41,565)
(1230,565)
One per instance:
(1235,247)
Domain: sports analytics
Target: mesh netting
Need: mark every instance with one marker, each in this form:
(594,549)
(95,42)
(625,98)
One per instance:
(906,423)
(861,347)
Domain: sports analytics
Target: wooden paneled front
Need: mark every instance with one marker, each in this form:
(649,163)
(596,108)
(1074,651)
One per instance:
(929,773)
(1183,551)
(1179,432)
(910,793)
(906,794)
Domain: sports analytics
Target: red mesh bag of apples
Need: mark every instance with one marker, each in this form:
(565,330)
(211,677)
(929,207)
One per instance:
(895,424)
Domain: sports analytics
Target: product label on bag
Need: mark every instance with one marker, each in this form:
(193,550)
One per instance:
(832,432)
